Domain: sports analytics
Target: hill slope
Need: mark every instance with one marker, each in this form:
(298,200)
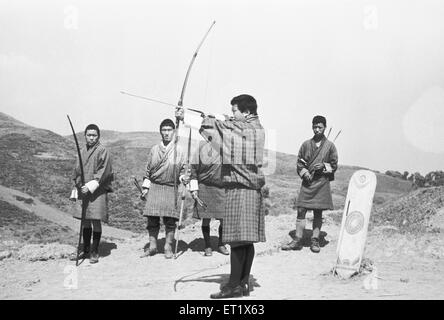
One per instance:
(418,211)
(36,161)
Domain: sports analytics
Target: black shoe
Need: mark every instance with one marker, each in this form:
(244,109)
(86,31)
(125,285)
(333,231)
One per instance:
(315,245)
(82,256)
(222,249)
(295,244)
(208,252)
(245,289)
(94,258)
(228,292)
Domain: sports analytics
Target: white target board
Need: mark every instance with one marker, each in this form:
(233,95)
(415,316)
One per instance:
(355,219)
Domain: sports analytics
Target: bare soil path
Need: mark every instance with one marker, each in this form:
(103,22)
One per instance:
(122,274)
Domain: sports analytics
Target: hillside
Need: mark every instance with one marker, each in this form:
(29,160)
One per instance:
(420,211)
(35,161)
(39,162)
(19,227)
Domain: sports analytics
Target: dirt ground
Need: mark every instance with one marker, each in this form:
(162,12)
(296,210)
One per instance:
(403,268)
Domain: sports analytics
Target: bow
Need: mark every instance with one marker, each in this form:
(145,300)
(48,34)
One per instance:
(176,138)
(82,180)
(180,104)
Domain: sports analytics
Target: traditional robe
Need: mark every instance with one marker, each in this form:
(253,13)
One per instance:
(242,145)
(99,174)
(159,178)
(317,193)
(207,171)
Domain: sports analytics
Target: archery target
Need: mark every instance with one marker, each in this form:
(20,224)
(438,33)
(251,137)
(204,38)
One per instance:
(354,222)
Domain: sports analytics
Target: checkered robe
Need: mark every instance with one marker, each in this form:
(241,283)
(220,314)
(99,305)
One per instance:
(160,172)
(317,194)
(242,145)
(96,166)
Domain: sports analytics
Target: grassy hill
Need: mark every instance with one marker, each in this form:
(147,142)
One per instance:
(36,161)
(413,211)
(40,162)
(19,227)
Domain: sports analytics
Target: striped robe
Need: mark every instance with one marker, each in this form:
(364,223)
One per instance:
(242,145)
(97,166)
(317,194)
(160,173)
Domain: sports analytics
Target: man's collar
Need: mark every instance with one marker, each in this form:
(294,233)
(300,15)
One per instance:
(322,139)
(94,145)
(251,117)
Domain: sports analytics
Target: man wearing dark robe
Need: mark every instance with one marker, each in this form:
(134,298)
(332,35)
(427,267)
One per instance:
(99,175)
(317,162)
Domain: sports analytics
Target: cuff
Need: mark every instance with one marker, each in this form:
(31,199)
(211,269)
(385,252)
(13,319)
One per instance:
(328,168)
(92,185)
(194,185)
(74,194)
(303,172)
(146,183)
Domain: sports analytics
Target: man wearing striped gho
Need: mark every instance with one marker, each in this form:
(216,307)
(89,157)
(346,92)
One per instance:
(158,189)
(242,141)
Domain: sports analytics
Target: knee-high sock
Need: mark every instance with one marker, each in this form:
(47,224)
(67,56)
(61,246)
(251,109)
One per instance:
(300,227)
(249,257)
(170,224)
(237,258)
(220,243)
(206,235)
(153,226)
(87,232)
(96,241)
(317,224)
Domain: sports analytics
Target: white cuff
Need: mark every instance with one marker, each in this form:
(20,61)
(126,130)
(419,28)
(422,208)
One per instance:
(303,172)
(74,195)
(146,183)
(328,168)
(194,185)
(92,185)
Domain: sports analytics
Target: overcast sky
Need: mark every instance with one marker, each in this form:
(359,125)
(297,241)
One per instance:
(375,69)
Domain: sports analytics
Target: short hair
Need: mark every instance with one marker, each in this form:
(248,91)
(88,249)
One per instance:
(92,126)
(319,119)
(167,123)
(244,103)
